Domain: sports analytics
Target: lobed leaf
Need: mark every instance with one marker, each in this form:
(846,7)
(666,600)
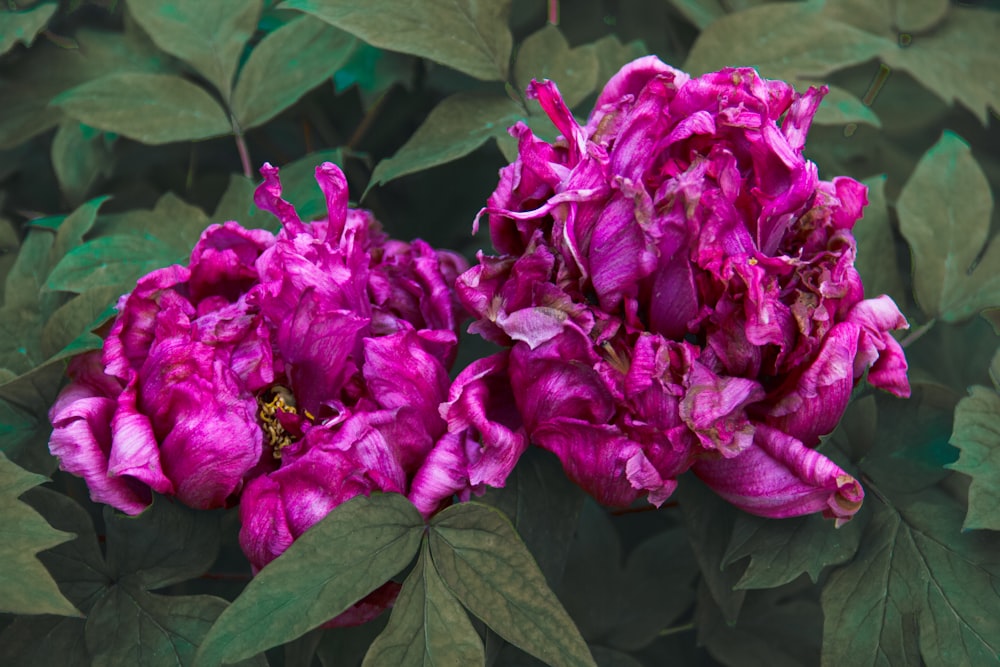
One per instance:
(457,126)
(944,214)
(374,538)
(428,625)
(209,36)
(977,435)
(546,55)
(25,25)
(468,35)
(151,108)
(110,261)
(781,551)
(286,65)
(487,567)
(26,587)
(918,590)
(789,41)
(133,627)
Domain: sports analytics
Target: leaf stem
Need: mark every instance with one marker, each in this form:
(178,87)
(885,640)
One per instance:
(241,147)
(915,335)
(666,632)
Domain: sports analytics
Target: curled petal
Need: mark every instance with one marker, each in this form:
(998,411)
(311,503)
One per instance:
(780,477)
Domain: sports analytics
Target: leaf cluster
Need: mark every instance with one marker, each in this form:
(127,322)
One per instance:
(128,127)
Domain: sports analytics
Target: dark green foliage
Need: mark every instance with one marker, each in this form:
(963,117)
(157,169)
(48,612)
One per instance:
(126,128)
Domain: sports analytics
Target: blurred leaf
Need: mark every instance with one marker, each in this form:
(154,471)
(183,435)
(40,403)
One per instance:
(623,603)
(469,35)
(132,627)
(28,87)
(486,565)
(612,55)
(977,435)
(24,434)
(457,126)
(919,15)
(781,550)
(110,261)
(346,647)
(709,521)
(209,36)
(543,505)
(151,108)
(876,259)
(72,323)
(428,625)
(777,628)
(957,61)
(24,26)
(31,641)
(840,107)
(789,41)
(237,204)
(286,65)
(311,583)
(701,13)
(26,587)
(944,214)
(917,589)
(73,228)
(166,544)
(80,156)
(21,316)
(546,55)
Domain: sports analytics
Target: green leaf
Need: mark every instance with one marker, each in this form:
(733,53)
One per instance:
(977,435)
(469,35)
(709,521)
(24,435)
(311,583)
(151,108)
(876,259)
(71,231)
(24,26)
(109,261)
(782,550)
(209,36)
(777,628)
(789,41)
(701,13)
(543,505)
(944,214)
(546,55)
(457,126)
(44,640)
(52,69)
(918,588)
(956,61)
(919,15)
(132,627)
(286,65)
(840,107)
(80,156)
(166,544)
(428,625)
(484,563)
(625,603)
(26,587)
(21,317)
(72,323)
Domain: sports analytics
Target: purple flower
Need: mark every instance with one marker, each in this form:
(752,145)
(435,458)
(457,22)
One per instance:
(286,372)
(677,290)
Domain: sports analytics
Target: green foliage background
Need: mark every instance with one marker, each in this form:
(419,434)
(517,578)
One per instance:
(127,127)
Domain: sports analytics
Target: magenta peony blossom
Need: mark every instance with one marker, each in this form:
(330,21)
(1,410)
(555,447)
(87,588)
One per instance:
(676,290)
(288,373)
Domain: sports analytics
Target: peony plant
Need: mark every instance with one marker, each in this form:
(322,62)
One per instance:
(676,290)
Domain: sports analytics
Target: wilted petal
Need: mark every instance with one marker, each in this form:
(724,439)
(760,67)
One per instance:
(780,477)
(713,407)
(81,435)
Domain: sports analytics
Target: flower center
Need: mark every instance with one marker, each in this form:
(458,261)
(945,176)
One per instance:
(279,418)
